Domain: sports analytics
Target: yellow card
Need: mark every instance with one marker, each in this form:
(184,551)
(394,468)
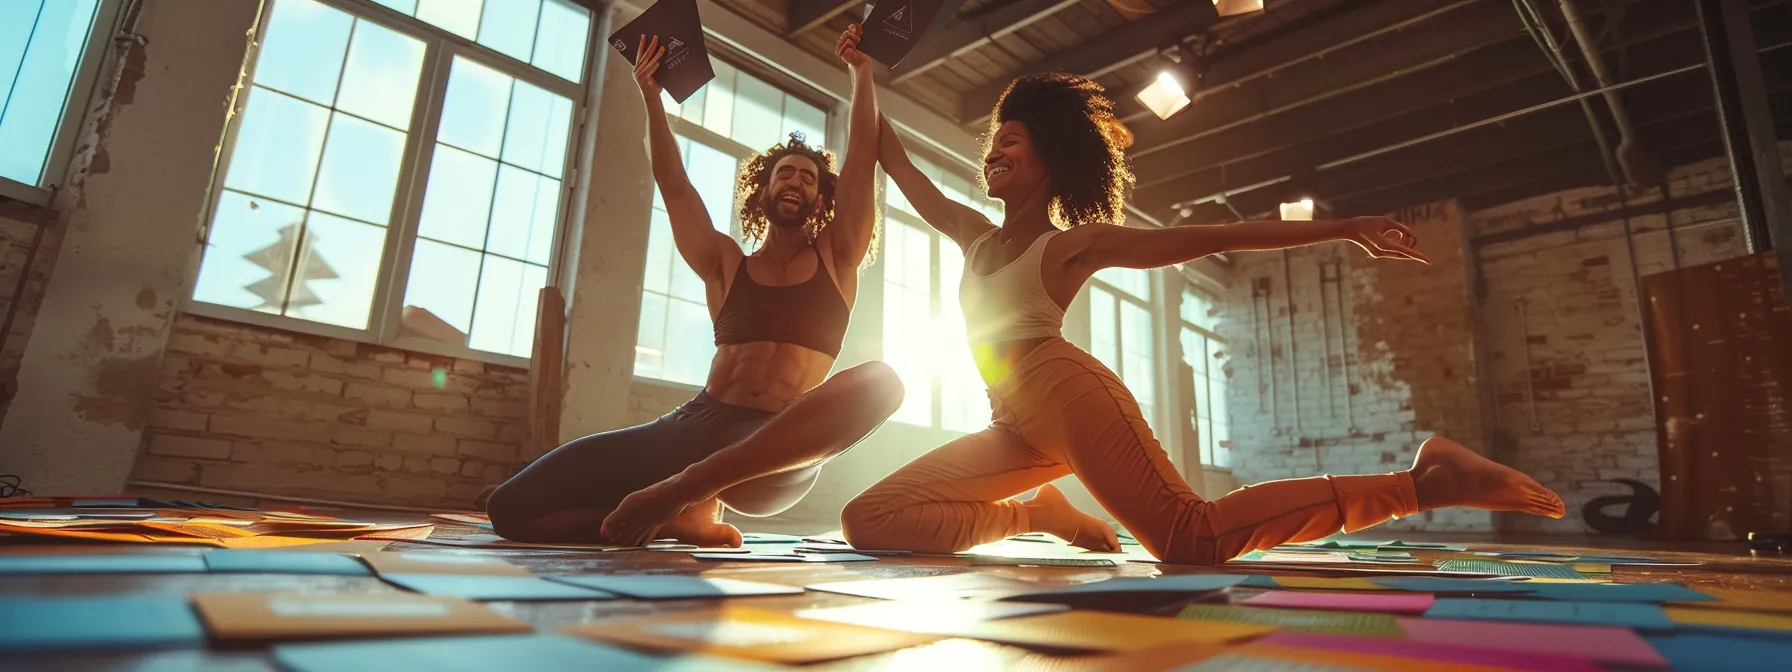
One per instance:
(1728,619)
(1102,631)
(1746,600)
(1317,583)
(1592,568)
(1328,659)
(749,633)
(271,616)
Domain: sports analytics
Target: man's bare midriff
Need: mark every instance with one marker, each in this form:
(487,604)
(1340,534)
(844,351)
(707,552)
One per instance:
(765,375)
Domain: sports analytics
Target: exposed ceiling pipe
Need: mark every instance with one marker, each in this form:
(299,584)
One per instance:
(1639,168)
(1532,16)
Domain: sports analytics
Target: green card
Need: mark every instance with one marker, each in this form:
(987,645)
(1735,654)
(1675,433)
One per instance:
(1298,620)
(1530,569)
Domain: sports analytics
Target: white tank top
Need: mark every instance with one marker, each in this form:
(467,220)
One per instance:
(1010,304)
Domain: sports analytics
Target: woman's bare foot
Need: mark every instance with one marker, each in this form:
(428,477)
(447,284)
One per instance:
(1447,474)
(1053,514)
(639,517)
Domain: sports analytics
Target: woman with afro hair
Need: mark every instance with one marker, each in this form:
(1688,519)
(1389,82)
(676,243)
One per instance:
(1055,156)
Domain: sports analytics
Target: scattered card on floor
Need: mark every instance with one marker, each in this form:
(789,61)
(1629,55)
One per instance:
(928,616)
(1539,570)
(1631,615)
(1297,620)
(753,634)
(536,653)
(768,538)
(1728,620)
(97,623)
(1433,584)
(1390,603)
(1715,652)
(674,587)
(1602,643)
(1747,600)
(1181,583)
(783,557)
(1311,583)
(102,564)
(424,562)
(1004,561)
(272,616)
(255,562)
(483,588)
(1653,593)
(1101,631)
(1430,651)
(954,586)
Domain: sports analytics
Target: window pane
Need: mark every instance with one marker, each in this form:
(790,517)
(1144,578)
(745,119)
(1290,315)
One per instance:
(460,17)
(380,80)
(908,318)
(717,111)
(712,172)
(1222,445)
(247,256)
(443,280)
(1198,308)
(473,113)
(1132,281)
(560,43)
(661,256)
(691,342)
(504,317)
(964,401)
(535,136)
(650,337)
(459,197)
(523,215)
(1194,350)
(41,44)
(1138,347)
(277,147)
(360,170)
(408,7)
(303,51)
(508,27)
(692,109)
(758,113)
(338,268)
(801,117)
(1101,327)
(895,200)
(1205,429)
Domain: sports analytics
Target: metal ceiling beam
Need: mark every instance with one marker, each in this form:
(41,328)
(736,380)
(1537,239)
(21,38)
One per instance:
(1111,51)
(806,15)
(959,36)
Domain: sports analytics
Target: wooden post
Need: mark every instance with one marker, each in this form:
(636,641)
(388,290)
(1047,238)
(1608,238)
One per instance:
(547,376)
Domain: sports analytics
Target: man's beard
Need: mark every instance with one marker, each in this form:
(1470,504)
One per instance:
(774,213)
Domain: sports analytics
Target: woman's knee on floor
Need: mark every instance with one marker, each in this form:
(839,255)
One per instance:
(878,385)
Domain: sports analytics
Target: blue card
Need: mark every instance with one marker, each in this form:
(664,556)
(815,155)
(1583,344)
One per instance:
(97,623)
(1184,583)
(101,564)
(1630,615)
(295,562)
(1701,652)
(485,587)
(768,538)
(673,587)
(792,557)
(1434,584)
(1260,581)
(1653,593)
(538,653)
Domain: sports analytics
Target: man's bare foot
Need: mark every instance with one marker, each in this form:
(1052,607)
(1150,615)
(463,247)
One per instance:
(1053,514)
(698,526)
(639,517)
(1447,474)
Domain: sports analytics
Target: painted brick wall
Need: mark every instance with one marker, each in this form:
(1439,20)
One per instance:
(273,412)
(19,226)
(1578,351)
(1350,376)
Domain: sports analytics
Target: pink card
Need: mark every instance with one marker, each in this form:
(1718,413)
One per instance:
(1393,603)
(1443,653)
(1605,644)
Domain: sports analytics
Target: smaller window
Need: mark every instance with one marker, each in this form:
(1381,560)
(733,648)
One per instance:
(1204,353)
(42,49)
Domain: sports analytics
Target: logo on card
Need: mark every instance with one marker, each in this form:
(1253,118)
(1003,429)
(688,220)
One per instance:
(676,52)
(620,45)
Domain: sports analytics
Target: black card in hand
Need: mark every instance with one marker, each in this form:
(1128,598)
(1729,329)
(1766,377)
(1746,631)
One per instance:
(685,66)
(894,27)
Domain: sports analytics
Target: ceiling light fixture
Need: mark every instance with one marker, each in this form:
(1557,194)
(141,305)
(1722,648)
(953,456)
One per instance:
(1169,92)
(1236,7)
(1301,210)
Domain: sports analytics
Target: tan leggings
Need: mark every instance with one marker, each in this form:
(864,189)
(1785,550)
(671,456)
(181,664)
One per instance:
(1062,412)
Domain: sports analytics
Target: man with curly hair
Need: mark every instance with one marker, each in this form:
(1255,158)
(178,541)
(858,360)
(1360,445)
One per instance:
(755,438)
(1055,155)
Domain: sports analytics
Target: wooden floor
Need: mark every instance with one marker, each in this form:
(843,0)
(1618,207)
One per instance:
(1728,566)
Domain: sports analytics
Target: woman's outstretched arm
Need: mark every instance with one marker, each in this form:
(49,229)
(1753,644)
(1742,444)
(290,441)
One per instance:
(1111,246)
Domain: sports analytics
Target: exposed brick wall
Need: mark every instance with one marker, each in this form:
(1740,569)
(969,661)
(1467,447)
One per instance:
(1378,361)
(1593,417)
(648,400)
(273,412)
(19,226)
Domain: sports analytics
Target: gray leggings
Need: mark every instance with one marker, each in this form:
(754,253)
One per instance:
(597,471)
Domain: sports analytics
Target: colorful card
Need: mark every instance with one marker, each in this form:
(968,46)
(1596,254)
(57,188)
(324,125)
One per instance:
(685,66)
(1298,620)
(1189,584)
(102,564)
(1632,615)
(424,562)
(474,519)
(769,538)
(1652,593)
(1715,652)
(1004,561)
(486,588)
(785,557)
(85,623)
(928,616)
(1747,600)
(252,562)
(273,616)
(1498,568)
(1728,620)
(1433,584)
(1442,653)
(748,633)
(1601,643)
(955,586)
(495,541)
(674,587)
(1101,631)
(1391,603)
(536,653)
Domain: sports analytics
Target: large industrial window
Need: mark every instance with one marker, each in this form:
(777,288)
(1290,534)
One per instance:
(49,52)
(1204,351)
(1123,332)
(400,177)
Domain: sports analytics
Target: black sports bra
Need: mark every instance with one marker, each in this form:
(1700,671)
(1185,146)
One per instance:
(811,314)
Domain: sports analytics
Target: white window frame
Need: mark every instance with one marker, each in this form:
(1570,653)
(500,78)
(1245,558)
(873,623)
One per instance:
(74,111)
(1151,305)
(894,217)
(1193,408)
(440,49)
